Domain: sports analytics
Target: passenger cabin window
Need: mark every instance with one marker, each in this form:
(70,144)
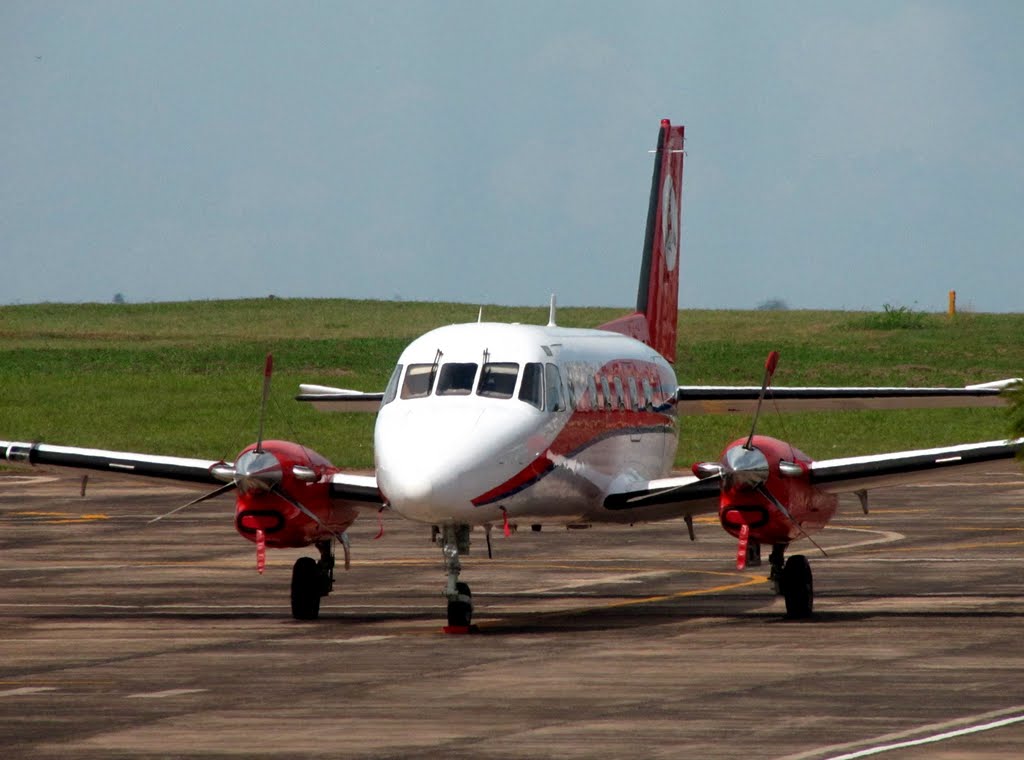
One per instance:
(554,388)
(456,379)
(634,397)
(419,379)
(392,389)
(648,395)
(498,380)
(532,389)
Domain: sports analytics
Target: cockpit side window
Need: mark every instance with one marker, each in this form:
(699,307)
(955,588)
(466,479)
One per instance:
(498,380)
(553,387)
(419,378)
(392,389)
(456,379)
(532,389)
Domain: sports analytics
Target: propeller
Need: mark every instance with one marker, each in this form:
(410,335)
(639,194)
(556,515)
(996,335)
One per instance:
(254,470)
(746,467)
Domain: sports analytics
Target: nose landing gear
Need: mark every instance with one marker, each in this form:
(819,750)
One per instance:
(454,540)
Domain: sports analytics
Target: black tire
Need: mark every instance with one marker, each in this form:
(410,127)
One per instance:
(305,589)
(460,612)
(798,587)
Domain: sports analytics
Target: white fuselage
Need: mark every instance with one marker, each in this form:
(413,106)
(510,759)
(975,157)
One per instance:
(485,421)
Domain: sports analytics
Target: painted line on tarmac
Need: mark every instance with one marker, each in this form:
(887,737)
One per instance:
(26,690)
(164,694)
(970,724)
(883,537)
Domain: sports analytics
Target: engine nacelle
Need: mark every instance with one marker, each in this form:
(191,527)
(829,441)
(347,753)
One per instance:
(273,481)
(781,470)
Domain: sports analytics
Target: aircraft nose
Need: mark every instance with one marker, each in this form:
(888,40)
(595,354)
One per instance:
(423,460)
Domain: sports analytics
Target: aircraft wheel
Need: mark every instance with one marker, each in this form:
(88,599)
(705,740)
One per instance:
(305,589)
(460,611)
(798,587)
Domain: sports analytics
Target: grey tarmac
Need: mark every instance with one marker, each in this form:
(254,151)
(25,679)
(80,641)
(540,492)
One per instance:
(120,639)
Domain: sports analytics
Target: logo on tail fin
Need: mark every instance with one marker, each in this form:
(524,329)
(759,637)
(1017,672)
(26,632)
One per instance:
(669,223)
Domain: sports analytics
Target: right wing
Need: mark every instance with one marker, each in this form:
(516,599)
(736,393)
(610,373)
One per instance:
(183,470)
(731,399)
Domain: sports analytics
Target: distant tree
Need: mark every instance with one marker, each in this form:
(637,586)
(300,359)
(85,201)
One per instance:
(773,304)
(119,298)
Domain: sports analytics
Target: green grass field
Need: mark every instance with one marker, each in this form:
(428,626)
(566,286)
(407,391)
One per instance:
(184,378)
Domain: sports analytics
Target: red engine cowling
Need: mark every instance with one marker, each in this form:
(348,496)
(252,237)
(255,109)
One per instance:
(270,479)
(782,470)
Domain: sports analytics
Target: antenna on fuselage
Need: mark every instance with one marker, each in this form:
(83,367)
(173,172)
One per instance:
(551,312)
(480,315)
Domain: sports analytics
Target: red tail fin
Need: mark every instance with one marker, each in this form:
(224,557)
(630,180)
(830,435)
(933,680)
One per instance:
(657,302)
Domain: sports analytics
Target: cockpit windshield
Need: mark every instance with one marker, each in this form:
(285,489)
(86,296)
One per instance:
(419,379)
(456,379)
(498,380)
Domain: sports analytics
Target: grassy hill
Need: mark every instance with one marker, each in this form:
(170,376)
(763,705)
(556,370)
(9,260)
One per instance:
(184,378)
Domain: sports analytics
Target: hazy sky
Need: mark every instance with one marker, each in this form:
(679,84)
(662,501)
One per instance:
(839,155)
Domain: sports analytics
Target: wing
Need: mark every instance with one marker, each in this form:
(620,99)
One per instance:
(327,399)
(359,490)
(186,471)
(687,495)
(730,399)
(680,496)
(874,470)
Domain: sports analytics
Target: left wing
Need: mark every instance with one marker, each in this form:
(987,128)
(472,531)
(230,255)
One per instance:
(359,490)
(730,399)
(860,473)
(683,495)
(687,495)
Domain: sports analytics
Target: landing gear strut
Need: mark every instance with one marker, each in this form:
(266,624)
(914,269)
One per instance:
(794,581)
(453,540)
(312,579)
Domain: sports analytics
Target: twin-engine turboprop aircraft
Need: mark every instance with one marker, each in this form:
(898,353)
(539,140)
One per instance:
(485,424)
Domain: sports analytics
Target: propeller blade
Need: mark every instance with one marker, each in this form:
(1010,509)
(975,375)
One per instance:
(781,507)
(769,372)
(223,489)
(268,370)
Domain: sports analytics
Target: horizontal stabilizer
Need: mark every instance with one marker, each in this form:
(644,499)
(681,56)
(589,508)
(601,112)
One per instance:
(725,399)
(327,399)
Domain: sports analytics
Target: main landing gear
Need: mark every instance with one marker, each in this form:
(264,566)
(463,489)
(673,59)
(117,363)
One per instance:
(453,540)
(312,579)
(792,579)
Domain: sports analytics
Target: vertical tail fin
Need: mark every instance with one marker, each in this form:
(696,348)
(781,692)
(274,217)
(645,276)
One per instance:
(657,302)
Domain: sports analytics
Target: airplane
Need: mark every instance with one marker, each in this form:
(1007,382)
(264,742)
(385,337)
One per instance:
(486,424)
